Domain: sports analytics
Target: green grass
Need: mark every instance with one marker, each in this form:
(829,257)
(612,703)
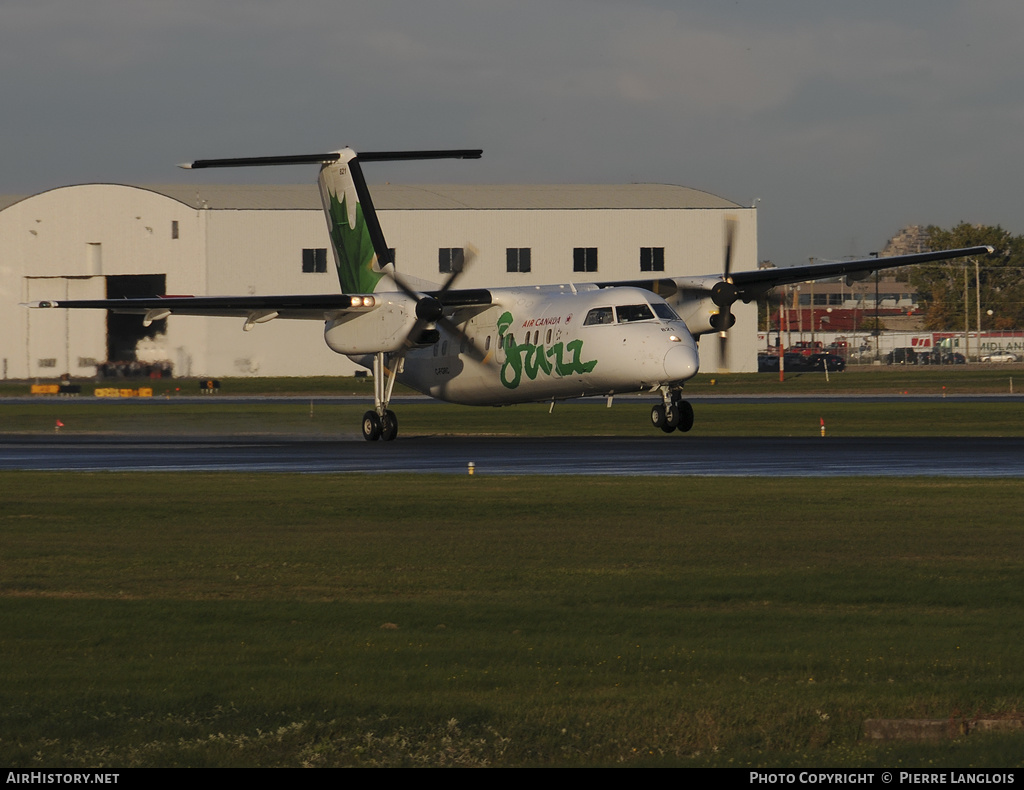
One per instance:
(884,379)
(247,620)
(90,417)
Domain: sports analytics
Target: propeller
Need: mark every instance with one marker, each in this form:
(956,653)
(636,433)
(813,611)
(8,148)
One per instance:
(724,294)
(430,309)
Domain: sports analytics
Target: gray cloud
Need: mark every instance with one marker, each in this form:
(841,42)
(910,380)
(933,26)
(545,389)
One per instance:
(848,122)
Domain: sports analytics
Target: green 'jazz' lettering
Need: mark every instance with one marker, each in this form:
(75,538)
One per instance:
(533,359)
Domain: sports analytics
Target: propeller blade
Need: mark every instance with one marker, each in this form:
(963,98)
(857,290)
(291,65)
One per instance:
(430,310)
(724,294)
(468,256)
(723,352)
(471,347)
(730,237)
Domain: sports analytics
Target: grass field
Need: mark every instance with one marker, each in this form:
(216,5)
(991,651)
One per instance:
(230,620)
(429,418)
(883,380)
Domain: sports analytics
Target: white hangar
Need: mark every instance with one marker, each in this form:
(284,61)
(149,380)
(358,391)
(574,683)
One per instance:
(96,241)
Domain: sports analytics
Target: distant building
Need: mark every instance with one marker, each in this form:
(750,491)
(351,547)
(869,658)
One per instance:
(908,241)
(110,240)
(834,306)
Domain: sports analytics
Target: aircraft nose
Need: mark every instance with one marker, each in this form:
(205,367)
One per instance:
(681,362)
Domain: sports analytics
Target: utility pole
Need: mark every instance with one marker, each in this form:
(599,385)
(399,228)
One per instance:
(977,295)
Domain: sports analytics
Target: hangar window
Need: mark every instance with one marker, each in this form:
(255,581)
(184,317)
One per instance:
(314,261)
(652,259)
(174,228)
(517,259)
(450,259)
(584,259)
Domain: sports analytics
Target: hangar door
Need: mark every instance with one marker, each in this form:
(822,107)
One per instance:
(63,342)
(74,342)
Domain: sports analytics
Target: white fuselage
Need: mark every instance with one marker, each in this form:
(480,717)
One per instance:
(551,343)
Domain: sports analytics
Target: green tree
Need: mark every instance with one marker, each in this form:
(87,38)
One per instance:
(1001,277)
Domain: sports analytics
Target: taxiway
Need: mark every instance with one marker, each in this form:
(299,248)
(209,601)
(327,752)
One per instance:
(649,455)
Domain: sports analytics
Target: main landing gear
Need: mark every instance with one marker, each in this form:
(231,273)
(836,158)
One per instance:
(673,413)
(377,426)
(381,423)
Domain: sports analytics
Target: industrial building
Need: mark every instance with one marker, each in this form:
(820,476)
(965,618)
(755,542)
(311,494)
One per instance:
(96,241)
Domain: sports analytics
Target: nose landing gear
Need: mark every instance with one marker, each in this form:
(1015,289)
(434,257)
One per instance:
(675,413)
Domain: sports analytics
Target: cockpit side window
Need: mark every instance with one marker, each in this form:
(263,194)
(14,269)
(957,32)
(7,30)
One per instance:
(599,315)
(665,311)
(634,312)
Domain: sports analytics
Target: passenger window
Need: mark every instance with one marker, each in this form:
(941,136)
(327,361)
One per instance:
(634,312)
(599,315)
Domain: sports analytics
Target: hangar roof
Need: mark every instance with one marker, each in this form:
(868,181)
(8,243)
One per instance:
(412,197)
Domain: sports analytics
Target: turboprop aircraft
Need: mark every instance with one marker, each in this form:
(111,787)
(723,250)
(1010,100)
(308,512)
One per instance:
(496,346)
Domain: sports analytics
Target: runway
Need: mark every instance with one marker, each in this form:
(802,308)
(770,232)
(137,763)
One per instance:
(620,456)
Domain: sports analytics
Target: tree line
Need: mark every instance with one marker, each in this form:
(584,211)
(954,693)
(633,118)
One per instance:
(947,289)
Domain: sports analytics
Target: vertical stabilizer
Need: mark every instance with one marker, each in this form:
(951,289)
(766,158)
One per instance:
(360,252)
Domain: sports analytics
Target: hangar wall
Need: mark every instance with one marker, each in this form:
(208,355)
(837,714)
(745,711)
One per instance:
(72,241)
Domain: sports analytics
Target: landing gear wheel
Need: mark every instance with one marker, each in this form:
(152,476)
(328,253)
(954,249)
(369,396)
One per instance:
(672,414)
(660,420)
(371,426)
(685,415)
(388,426)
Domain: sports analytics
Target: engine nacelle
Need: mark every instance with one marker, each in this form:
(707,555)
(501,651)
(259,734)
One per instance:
(698,314)
(384,328)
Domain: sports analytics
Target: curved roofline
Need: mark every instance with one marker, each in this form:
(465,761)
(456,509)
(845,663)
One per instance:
(436,197)
(7,201)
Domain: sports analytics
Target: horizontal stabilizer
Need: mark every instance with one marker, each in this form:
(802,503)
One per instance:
(263,161)
(333,156)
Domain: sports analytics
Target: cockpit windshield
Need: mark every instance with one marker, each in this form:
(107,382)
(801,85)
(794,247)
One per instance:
(599,315)
(665,311)
(634,312)
(626,314)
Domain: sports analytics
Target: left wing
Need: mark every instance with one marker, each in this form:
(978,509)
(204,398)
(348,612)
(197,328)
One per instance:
(694,294)
(751,285)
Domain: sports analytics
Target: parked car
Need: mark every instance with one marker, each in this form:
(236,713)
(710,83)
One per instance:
(939,357)
(800,363)
(829,361)
(901,356)
(999,356)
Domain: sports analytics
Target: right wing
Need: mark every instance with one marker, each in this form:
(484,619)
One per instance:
(259,309)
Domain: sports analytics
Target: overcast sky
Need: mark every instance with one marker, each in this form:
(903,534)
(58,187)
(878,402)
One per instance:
(848,120)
